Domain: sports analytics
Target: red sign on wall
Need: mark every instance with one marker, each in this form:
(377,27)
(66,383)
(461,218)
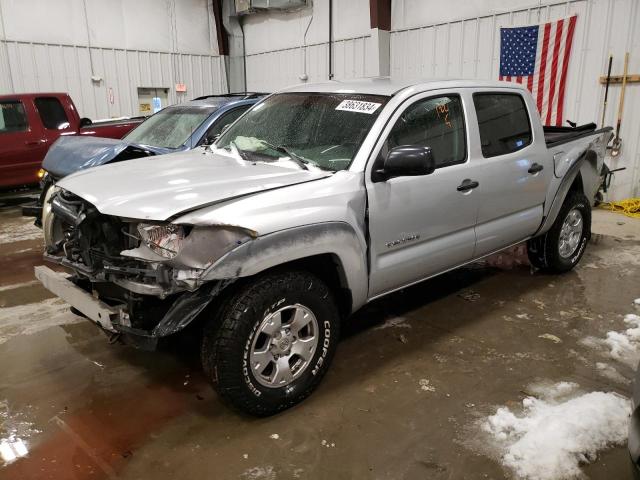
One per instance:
(181,87)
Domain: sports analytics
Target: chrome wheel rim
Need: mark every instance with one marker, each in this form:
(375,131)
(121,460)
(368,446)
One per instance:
(283,346)
(570,233)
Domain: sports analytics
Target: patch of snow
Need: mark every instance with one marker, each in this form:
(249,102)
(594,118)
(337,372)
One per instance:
(23,250)
(611,373)
(548,336)
(469,296)
(18,230)
(394,322)
(31,283)
(554,434)
(637,301)
(523,316)
(259,473)
(426,386)
(554,391)
(34,317)
(622,346)
(540,304)
(274,436)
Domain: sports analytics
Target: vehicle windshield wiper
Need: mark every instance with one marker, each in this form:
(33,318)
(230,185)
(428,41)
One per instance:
(293,156)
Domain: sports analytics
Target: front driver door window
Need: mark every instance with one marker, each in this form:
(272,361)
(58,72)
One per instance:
(422,225)
(437,123)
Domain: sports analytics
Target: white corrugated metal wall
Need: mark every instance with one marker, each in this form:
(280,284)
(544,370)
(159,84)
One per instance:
(47,45)
(470,47)
(275,44)
(270,71)
(38,67)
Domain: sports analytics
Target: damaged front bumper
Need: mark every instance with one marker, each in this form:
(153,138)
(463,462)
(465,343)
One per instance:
(114,319)
(95,310)
(131,277)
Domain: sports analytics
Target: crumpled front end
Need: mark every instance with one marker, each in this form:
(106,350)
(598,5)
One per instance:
(149,273)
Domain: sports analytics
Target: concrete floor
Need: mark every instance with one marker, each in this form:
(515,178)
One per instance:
(86,409)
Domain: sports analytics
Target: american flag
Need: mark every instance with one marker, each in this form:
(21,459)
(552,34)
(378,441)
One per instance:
(538,56)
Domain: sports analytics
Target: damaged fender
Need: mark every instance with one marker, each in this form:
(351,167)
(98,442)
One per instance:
(561,194)
(187,308)
(337,238)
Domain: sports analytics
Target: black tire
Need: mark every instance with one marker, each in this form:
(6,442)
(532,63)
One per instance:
(544,251)
(228,339)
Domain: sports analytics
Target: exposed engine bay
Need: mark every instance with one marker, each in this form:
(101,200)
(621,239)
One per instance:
(132,265)
(91,243)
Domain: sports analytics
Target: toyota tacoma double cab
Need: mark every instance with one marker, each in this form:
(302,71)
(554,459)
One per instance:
(318,200)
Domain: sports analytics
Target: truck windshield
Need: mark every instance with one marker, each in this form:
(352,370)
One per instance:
(320,129)
(169,128)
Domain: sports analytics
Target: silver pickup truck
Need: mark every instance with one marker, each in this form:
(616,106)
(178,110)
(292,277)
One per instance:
(318,200)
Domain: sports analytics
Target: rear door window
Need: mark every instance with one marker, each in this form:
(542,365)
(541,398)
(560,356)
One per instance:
(52,113)
(437,123)
(13,118)
(503,121)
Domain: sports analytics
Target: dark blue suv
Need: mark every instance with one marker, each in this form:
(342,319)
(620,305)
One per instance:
(173,129)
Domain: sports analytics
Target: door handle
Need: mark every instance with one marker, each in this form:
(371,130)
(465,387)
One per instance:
(535,168)
(467,184)
(34,143)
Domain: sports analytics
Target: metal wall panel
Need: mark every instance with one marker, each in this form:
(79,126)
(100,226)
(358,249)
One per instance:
(271,71)
(38,67)
(470,48)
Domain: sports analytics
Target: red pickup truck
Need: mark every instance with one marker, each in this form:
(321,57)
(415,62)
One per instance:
(31,122)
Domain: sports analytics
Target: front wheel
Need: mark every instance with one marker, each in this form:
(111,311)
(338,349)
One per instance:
(272,343)
(562,247)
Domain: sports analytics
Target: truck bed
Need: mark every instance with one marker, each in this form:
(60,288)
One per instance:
(555,136)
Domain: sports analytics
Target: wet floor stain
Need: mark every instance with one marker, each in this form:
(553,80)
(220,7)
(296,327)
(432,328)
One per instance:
(411,374)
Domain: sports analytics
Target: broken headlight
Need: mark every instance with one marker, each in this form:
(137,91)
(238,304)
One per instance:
(165,240)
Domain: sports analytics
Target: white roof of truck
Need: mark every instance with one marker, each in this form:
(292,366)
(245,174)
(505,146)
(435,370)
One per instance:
(389,86)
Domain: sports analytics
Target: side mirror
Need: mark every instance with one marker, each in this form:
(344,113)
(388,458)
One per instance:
(85,122)
(406,161)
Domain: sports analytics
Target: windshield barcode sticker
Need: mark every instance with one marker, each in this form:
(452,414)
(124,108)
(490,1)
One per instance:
(358,106)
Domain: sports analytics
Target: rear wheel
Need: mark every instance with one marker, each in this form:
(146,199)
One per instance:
(562,247)
(272,342)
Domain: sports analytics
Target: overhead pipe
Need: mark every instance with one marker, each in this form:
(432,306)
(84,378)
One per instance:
(330,39)
(304,77)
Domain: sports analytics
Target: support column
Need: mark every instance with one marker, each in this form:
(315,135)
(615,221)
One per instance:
(380,14)
(230,39)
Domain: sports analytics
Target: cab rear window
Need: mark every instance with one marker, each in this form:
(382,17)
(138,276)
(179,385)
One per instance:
(12,117)
(52,113)
(503,121)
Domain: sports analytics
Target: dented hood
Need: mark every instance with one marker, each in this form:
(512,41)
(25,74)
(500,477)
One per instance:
(162,187)
(72,153)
